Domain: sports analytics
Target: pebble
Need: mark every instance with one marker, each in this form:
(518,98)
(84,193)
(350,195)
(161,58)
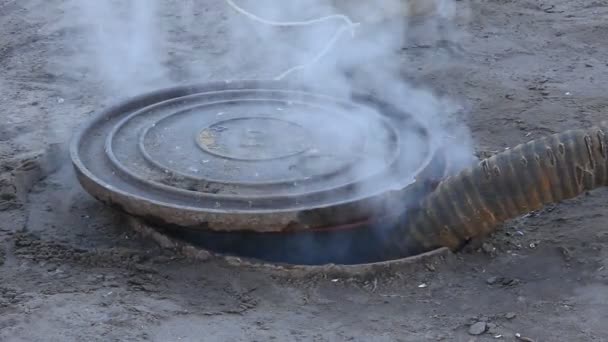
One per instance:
(95,278)
(492,328)
(510,282)
(504,281)
(510,315)
(478,328)
(488,248)
(565,253)
(492,280)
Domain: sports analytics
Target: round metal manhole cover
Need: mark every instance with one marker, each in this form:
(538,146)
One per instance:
(250,155)
(255,138)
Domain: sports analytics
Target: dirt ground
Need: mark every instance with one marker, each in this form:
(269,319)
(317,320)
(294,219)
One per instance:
(72,270)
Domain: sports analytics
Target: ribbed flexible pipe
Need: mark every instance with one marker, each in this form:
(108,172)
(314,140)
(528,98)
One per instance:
(504,186)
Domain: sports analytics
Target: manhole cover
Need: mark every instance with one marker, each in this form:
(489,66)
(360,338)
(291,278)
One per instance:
(260,156)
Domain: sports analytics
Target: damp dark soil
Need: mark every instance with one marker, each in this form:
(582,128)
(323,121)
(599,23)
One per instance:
(73,270)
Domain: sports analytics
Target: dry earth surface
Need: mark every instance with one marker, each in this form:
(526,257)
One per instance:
(71,269)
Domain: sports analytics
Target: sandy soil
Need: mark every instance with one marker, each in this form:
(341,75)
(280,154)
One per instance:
(71,270)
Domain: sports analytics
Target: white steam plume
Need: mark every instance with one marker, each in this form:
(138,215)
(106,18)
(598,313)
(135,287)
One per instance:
(130,43)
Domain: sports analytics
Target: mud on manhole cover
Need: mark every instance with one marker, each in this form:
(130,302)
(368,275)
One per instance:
(263,169)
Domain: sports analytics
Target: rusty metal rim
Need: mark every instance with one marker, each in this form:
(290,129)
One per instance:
(167,94)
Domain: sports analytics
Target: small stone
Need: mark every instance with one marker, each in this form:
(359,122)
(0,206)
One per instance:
(510,282)
(493,280)
(478,328)
(565,252)
(149,288)
(488,248)
(492,328)
(510,315)
(95,278)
